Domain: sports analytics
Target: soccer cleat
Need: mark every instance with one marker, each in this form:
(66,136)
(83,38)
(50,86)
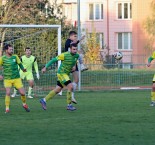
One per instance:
(13,95)
(30,97)
(83,68)
(27,109)
(43,103)
(73,100)
(70,107)
(152,104)
(7,111)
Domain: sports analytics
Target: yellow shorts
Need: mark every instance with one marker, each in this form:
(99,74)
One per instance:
(62,78)
(27,75)
(17,83)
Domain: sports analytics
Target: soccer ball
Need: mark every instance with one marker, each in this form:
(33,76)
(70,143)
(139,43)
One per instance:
(118,55)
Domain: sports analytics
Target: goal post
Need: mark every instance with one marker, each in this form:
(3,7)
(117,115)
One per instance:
(45,42)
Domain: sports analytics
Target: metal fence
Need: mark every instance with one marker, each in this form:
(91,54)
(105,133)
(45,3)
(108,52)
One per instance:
(98,79)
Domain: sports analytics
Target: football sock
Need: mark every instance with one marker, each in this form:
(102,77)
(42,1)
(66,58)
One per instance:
(23,98)
(153,96)
(14,91)
(68,97)
(29,91)
(50,95)
(74,88)
(80,58)
(7,101)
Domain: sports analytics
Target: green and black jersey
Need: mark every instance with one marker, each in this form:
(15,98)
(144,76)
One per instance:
(68,61)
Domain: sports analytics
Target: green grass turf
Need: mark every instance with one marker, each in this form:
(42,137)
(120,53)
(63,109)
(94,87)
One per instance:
(101,118)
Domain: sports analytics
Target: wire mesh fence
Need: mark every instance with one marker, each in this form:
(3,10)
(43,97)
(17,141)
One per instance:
(107,74)
(103,79)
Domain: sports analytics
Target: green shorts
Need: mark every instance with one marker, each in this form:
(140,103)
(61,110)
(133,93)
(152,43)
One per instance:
(27,75)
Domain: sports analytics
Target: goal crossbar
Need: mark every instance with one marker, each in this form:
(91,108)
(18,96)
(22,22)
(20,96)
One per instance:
(58,27)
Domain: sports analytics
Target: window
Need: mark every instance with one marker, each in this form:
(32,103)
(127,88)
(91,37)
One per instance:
(95,11)
(99,39)
(125,41)
(124,10)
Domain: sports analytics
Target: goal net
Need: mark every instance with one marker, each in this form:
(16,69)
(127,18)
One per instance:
(45,43)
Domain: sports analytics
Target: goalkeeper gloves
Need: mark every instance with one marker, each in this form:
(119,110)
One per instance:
(38,76)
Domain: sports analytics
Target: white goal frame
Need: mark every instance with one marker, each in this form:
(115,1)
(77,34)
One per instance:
(58,27)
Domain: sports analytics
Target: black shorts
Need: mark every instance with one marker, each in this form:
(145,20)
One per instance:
(66,83)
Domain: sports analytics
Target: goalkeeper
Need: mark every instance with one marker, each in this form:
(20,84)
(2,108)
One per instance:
(28,62)
(73,39)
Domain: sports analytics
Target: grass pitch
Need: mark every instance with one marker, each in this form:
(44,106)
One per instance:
(101,118)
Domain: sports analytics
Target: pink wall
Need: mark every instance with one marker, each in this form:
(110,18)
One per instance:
(141,10)
(110,25)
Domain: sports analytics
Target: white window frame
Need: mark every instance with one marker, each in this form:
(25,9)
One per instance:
(94,10)
(129,13)
(129,41)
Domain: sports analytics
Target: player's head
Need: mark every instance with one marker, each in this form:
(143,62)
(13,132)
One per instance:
(73,48)
(72,35)
(8,49)
(27,51)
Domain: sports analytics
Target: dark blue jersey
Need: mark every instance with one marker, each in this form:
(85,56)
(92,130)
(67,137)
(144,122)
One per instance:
(67,44)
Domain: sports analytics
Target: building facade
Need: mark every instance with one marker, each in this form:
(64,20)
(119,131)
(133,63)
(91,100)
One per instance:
(118,23)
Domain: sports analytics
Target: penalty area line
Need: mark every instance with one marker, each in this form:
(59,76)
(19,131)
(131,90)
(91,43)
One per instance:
(134,88)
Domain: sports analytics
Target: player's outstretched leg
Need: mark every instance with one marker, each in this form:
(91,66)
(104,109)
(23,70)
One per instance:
(43,103)
(48,97)
(83,68)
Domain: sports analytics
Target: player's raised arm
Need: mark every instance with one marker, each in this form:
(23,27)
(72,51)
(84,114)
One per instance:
(67,44)
(20,64)
(52,61)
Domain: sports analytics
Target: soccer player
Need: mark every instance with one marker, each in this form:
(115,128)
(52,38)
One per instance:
(28,62)
(73,39)
(10,63)
(153,81)
(68,61)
